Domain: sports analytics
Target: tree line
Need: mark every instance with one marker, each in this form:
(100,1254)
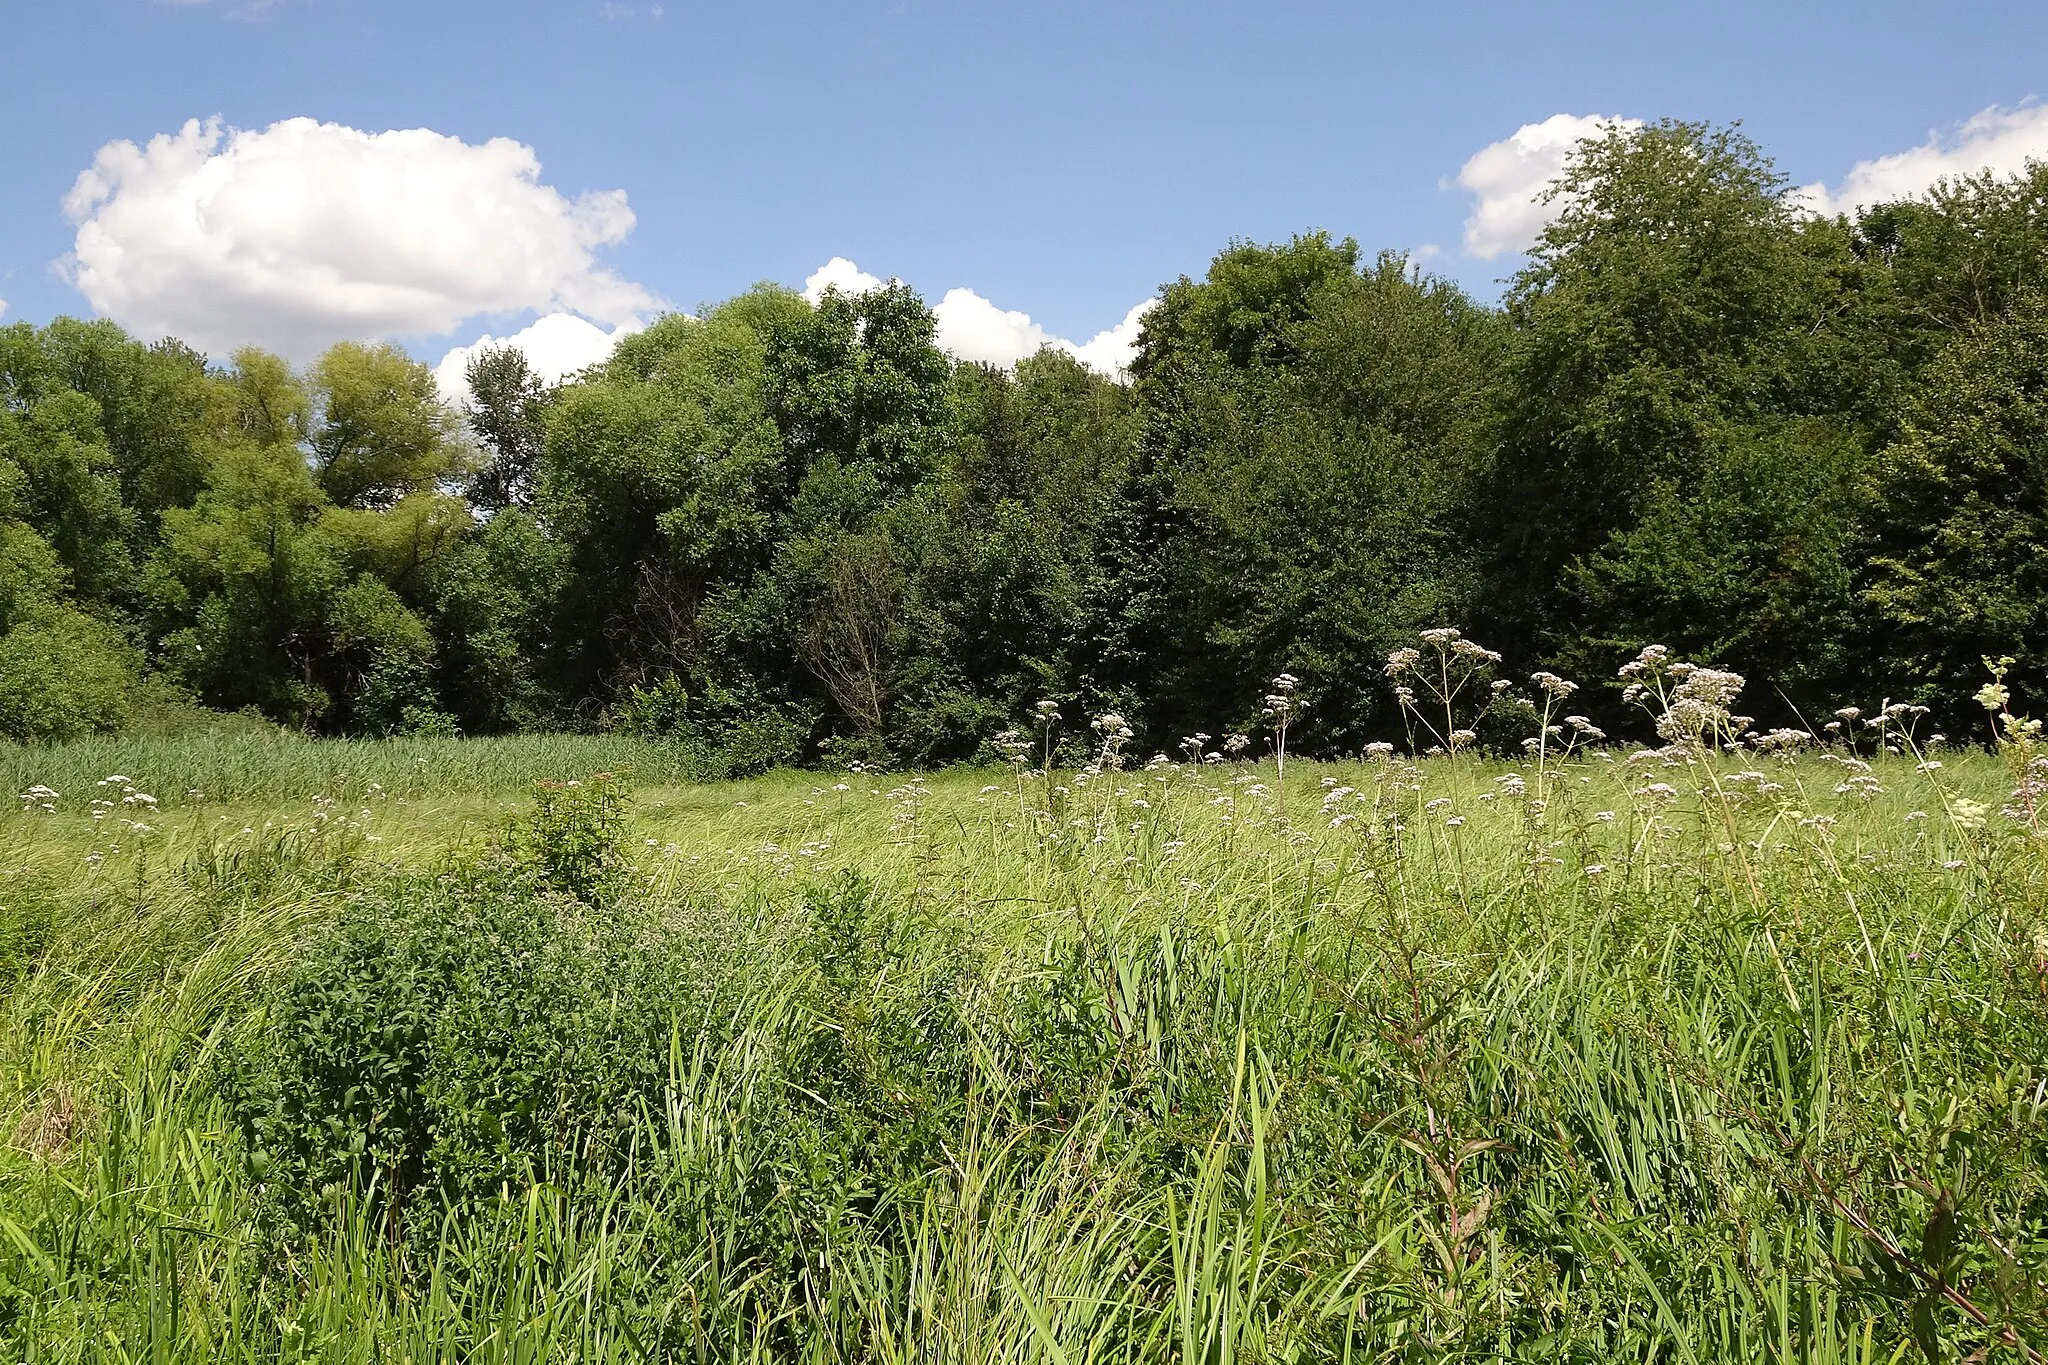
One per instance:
(1812,449)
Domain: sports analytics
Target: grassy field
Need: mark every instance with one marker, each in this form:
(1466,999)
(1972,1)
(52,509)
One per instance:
(378,1051)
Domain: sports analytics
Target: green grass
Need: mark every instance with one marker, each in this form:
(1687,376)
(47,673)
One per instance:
(264,765)
(1145,1065)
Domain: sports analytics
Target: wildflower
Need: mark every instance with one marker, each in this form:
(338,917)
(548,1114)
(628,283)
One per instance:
(1651,658)
(1783,741)
(1554,686)
(1014,745)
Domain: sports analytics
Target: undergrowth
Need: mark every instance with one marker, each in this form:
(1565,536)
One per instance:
(1728,1049)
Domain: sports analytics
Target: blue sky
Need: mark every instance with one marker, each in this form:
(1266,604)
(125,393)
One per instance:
(1059,160)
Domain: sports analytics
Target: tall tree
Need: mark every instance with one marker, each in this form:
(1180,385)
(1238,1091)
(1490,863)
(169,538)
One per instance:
(1669,331)
(507,410)
(383,431)
(1958,566)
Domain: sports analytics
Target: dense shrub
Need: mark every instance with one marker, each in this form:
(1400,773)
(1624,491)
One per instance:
(500,1021)
(737,731)
(63,675)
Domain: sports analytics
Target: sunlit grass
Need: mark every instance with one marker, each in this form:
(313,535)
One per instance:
(1458,1059)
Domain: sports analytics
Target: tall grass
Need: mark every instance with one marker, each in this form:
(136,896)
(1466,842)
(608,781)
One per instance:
(1578,1059)
(261,764)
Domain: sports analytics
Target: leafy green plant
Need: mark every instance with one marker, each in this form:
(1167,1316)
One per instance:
(570,840)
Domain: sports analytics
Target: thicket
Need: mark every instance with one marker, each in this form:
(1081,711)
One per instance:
(1812,450)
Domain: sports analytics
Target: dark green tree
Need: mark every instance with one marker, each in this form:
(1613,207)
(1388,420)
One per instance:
(1958,526)
(1672,413)
(507,411)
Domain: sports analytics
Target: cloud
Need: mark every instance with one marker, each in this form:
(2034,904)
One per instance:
(1509,178)
(305,232)
(1997,139)
(3,308)
(1112,352)
(556,347)
(629,13)
(841,274)
(970,327)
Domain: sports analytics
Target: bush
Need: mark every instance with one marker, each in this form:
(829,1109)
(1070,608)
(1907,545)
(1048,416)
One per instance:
(63,675)
(739,732)
(460,1032)
(571,840)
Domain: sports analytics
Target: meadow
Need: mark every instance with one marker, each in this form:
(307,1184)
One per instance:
(541,1049)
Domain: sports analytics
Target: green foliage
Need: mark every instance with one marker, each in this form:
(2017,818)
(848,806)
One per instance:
(32,578)
(450,1038)
(958,1078)
(571,840)
(62,675)
(1749,556)
(1701,414)
(739,733)
(660,480)
(382,431)
(1960,515)
(508,412)
(1312,510)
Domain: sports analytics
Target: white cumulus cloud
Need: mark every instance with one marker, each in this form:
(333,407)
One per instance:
(841,274)
(1112,351)
(970,327)
(1508,178)
(1997,139)
(304,232)
(556,347)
